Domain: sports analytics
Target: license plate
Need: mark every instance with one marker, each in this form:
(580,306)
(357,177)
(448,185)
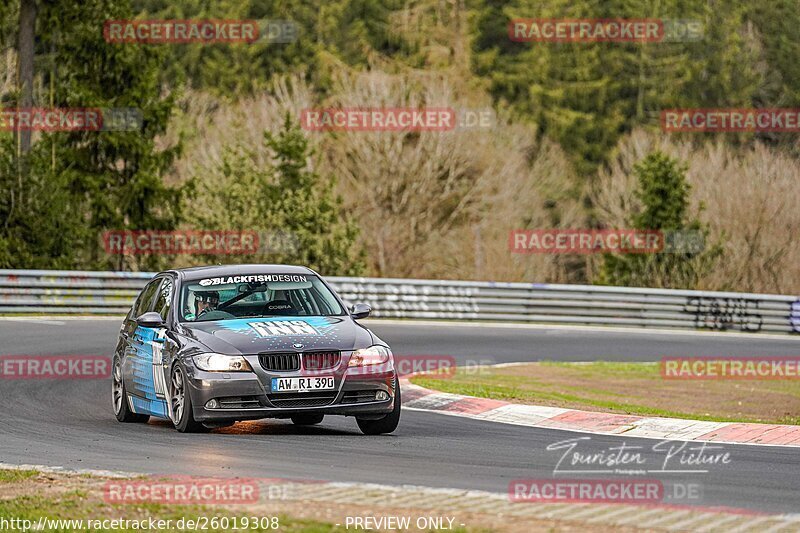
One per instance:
(302,384)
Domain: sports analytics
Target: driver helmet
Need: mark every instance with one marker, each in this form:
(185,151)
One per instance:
(209,297)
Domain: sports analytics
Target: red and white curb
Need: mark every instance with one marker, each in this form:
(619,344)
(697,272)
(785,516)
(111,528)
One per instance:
(422,399)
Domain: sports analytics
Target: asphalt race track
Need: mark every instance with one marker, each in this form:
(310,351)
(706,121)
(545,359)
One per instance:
(71,424)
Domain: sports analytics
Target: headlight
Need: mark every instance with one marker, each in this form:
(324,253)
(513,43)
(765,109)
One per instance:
(374,355)
(217,362)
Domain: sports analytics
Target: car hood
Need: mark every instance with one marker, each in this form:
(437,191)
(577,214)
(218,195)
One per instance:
(276,334)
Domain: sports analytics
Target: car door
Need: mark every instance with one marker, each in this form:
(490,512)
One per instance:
(162,346)
(147,392)
(139,307)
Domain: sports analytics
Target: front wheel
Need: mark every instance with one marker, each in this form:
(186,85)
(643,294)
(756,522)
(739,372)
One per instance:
(388,423)
(119,396)
(181,402)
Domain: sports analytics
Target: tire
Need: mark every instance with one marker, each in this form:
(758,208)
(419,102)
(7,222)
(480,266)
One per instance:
(388,423)
(307,420)
(181,403)
(118,395)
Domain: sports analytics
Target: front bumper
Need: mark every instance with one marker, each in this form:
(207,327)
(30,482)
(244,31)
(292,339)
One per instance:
(351,397)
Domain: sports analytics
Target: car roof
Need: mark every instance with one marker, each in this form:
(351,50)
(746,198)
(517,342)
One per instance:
(195,273)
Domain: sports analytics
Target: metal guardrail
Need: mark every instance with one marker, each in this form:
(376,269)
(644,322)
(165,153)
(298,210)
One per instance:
(54,292)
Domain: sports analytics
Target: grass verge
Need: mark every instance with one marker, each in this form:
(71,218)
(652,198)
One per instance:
(65,502)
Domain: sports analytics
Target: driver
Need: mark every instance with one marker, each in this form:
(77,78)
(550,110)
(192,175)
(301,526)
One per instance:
(204,302)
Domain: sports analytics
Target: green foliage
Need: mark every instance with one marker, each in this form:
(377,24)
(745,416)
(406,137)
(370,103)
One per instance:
(228,68)
(351,30)
(586,95)
(92,181)
(39,228)
(664,194)
(294,209)
(774,22)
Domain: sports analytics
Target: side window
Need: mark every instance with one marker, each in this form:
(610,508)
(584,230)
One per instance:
(164,299)
(145,301)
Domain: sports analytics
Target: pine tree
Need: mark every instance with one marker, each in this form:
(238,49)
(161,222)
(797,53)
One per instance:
(90,181)
(293,208)
(664,196)
(587,95)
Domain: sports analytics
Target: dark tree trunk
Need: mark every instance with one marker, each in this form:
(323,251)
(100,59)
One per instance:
(27,23)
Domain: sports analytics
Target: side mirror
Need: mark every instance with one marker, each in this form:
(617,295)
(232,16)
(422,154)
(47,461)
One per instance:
(150,320)
(360,311)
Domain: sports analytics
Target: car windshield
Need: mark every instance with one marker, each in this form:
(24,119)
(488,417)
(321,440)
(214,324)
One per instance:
(256,296)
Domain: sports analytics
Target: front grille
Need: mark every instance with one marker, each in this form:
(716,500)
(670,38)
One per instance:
(239,402)
(321,360)
(279,362)
(359,396)
(302,399)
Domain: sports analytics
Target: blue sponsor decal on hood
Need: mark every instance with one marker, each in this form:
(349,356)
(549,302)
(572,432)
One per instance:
(280,326)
